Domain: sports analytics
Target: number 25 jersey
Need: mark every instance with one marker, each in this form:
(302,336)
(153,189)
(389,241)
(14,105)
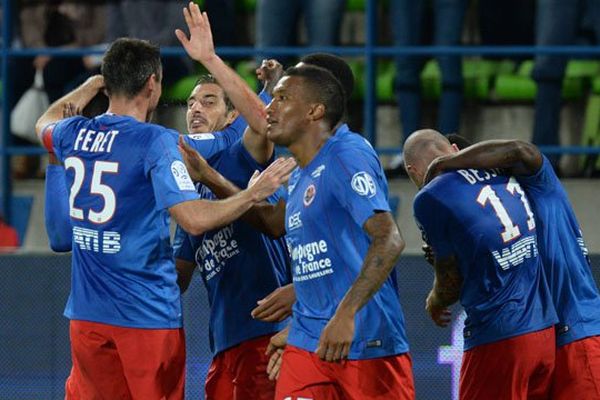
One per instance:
(123,176)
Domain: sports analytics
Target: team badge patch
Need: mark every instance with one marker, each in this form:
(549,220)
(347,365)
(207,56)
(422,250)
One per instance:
(363,184)
(309,195)
(182,178)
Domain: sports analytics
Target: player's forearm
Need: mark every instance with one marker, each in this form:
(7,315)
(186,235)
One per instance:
(266,218)
(79,97)
(447,283)
(382,255)
(56,213)
(243,98)
(206,215)
(516,156)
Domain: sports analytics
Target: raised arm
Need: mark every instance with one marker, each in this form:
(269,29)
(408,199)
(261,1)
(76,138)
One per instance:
(200,47)
(265,217)
(382,255)
(79,98)
(516,156)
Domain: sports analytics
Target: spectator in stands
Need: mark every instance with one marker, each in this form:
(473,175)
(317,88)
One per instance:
(506,23)
(407,21)
(153,20)
(558,23)
(277,22)
(9,238)
(53,24)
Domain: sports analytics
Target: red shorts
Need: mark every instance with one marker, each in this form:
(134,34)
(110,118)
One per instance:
(517,368)
(240,373)
(111,362)
(305,376)
(577,371)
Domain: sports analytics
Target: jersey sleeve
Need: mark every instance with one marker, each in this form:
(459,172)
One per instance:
(182,245)
(543,181)
(358,185)
(170,179)
(52,135)
(211,143)
(432,219)
(56,213)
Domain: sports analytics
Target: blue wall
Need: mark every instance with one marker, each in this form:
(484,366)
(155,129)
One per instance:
(35,359)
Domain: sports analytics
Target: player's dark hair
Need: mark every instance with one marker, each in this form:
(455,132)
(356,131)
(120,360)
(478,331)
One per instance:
(337,66)
(460,141)
(323,88)
(208,78)
(127,65)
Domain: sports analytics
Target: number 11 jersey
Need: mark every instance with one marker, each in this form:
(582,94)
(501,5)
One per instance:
(484,219)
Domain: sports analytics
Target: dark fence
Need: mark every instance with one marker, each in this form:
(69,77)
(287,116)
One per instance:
(34,352)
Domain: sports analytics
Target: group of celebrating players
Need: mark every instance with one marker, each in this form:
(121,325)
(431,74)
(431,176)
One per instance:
(304,301)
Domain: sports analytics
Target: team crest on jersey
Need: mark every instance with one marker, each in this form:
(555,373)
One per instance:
(309,195)
(363,184)
(182,178)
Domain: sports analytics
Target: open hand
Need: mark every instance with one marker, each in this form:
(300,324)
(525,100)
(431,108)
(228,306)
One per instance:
(196,164)
(266,183)
(336,338)
(199,46)
(70,110)
(277,306)
(275,350)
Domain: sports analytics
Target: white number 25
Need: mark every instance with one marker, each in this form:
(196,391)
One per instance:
(96,187)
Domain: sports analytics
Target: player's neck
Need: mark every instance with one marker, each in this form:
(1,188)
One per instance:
(307,147)
(136,108)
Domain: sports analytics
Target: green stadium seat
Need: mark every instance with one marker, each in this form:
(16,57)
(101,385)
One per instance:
(358,70)
(246,69)
(386,72)
(180,90)
(591,130)
(520,86)
(246,6)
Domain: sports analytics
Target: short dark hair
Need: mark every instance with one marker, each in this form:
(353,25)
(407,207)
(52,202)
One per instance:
(127,65)
(337,66)
(208,78)
(460,141)
(324,88)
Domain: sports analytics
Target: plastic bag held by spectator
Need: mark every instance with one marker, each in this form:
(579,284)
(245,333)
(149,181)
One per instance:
(29,108)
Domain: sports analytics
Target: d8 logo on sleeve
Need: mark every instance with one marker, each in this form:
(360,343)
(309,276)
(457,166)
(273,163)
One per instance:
(363,184)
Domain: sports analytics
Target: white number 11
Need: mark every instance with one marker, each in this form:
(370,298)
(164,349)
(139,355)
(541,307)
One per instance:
(511,231)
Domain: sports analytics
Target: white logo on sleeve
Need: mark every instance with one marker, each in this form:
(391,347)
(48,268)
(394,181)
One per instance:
(363,184)
(180,173)
(201,136)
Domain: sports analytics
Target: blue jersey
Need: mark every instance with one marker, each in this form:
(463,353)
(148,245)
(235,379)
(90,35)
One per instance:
(328,203)
(123,176)
(212,143)
(565,257)
(485,221)
(238,264)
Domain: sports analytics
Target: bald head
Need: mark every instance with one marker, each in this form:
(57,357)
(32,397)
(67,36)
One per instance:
(420,149)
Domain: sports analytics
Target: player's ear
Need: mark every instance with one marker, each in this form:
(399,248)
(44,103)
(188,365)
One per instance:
(152,83)
(455,148)
(231,116)
(317,112)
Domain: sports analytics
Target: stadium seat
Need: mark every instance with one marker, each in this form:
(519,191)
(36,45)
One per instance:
(246,69)
(520,86)
(591,128)
(180,90)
